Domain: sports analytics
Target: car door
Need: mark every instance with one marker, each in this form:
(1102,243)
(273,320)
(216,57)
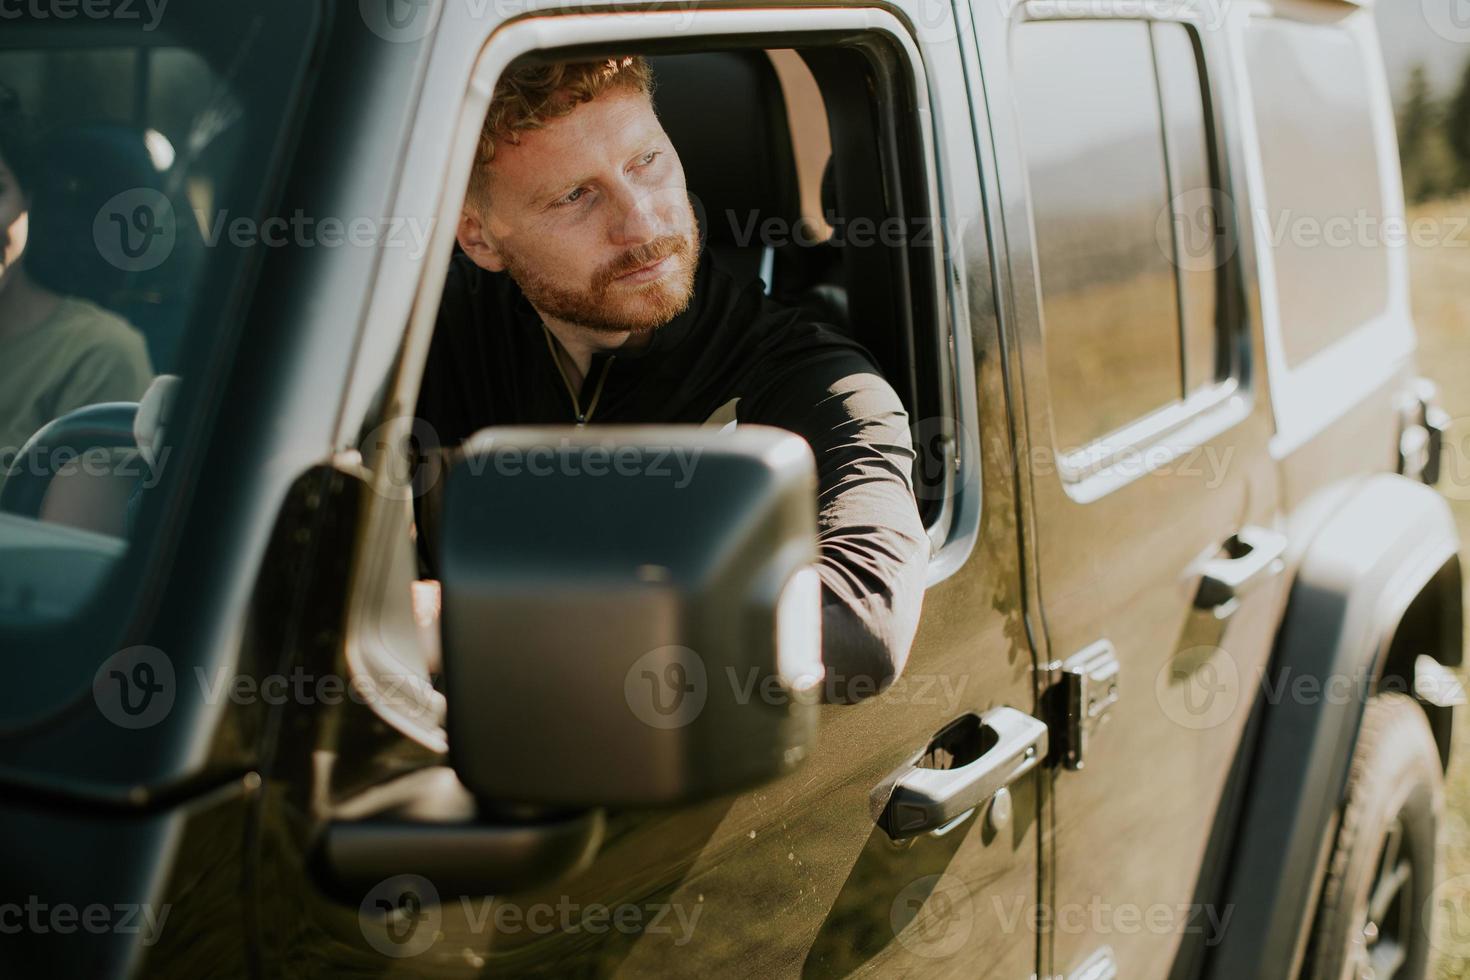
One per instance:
(1153,502)
(805,875)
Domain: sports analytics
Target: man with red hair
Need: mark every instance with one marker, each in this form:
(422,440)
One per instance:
(583,296)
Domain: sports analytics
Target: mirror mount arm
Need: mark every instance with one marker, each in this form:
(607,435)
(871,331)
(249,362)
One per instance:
(427,824)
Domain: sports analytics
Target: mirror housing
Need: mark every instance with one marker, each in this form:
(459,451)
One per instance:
(631,615)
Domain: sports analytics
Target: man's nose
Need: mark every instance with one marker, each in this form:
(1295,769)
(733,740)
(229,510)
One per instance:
(637,219)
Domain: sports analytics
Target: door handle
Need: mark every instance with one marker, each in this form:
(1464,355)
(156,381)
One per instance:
(1011,744)
(1252,556)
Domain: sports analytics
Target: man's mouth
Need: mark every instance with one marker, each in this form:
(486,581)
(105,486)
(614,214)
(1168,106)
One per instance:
(649,272)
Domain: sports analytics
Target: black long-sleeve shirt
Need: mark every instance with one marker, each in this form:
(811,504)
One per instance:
(489,364)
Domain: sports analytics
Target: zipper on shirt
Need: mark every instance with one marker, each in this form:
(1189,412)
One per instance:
(582,417)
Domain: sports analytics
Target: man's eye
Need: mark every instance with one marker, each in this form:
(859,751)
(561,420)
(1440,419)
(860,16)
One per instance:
(648,158)
(574,196)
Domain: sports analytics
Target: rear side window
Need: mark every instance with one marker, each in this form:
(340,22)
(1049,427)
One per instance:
(1324,204)
(1115,133)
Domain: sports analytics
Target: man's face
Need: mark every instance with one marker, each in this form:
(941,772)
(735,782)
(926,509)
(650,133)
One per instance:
(14,222)
(591,218)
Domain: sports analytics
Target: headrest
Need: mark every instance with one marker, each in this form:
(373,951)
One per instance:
(153,413)
(83,169)
(726,115)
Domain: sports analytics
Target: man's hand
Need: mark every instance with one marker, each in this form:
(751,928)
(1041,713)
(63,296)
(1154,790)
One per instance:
(426,617)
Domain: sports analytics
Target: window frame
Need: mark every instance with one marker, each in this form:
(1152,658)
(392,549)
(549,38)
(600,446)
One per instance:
(1171,431)
(403,309)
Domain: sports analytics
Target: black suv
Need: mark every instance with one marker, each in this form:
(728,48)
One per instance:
(1180,701)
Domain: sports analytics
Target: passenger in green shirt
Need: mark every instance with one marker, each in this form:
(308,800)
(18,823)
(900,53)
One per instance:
(57,353)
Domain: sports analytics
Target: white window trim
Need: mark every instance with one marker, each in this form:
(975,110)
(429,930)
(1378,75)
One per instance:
(1309,397)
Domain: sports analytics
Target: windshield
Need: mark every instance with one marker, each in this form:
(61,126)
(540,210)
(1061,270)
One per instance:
(129,136)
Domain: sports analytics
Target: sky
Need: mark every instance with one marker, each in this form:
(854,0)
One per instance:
(1434,32)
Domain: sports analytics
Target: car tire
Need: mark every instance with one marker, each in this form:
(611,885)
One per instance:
(1376,913)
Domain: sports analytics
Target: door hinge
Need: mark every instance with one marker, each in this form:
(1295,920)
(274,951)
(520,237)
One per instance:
(1080,693)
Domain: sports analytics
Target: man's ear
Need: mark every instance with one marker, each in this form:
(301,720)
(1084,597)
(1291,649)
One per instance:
(477,243)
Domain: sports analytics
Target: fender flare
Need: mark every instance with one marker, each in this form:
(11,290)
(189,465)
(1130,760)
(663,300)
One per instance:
(1389,549)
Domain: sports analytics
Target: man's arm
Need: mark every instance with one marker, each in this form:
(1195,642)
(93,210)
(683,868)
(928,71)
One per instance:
(873,547)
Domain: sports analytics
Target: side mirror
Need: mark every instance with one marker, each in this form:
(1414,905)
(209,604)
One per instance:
(631,616)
